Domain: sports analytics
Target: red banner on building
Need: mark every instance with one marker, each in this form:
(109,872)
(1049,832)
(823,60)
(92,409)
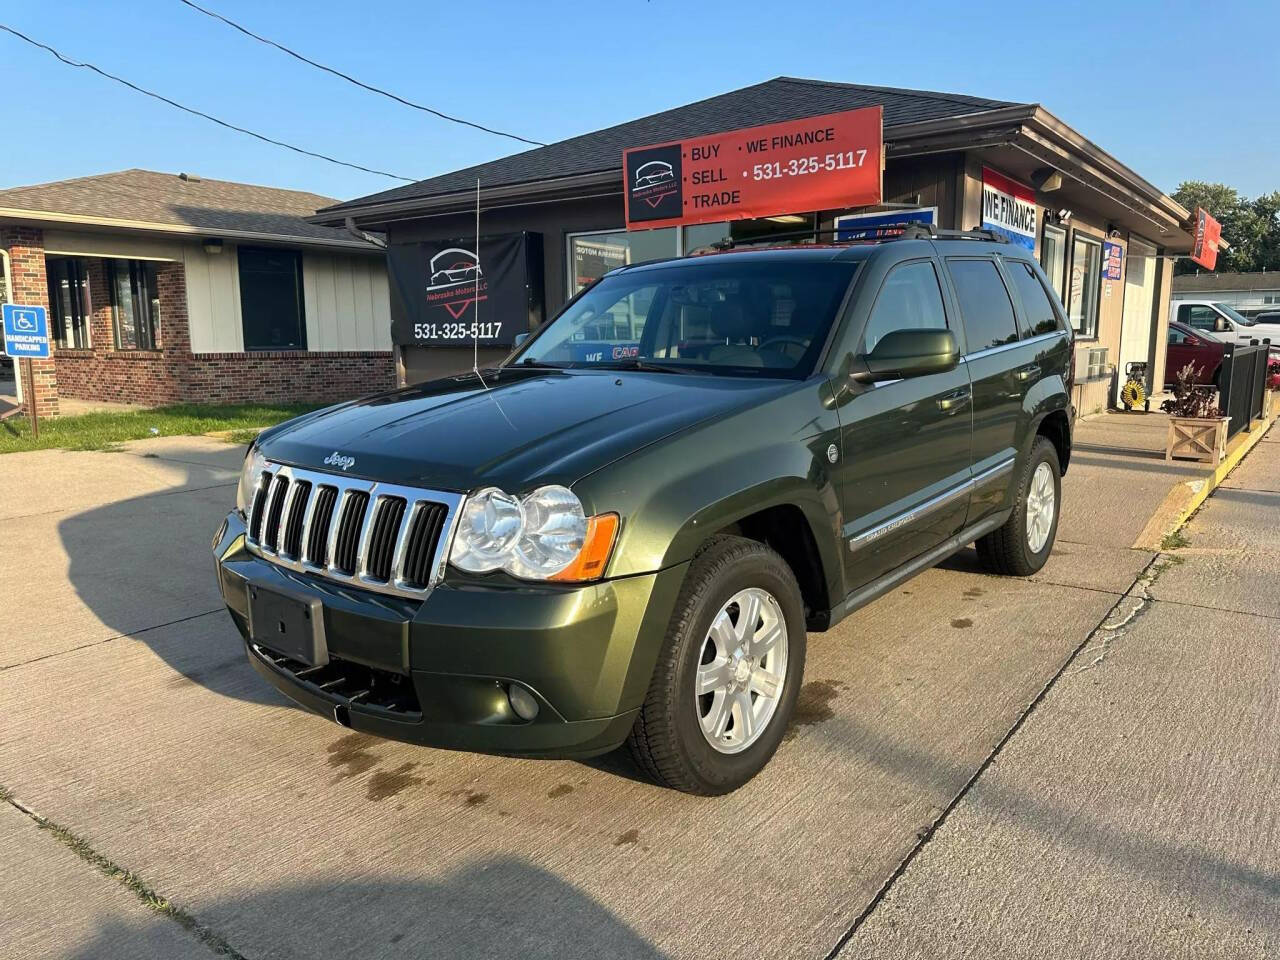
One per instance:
(1208,233)
(830,162)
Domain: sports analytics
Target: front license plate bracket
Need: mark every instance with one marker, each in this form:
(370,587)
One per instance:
(288,623)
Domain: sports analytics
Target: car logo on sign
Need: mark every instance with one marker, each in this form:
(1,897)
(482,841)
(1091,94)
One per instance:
(337,459)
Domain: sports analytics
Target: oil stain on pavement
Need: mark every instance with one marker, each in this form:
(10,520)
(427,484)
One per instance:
(559,790)
(387,783)
(961,622)
(353,755)
(627,839)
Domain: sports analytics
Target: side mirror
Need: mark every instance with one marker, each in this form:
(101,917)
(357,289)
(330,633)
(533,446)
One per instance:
(520,339)
(907,353)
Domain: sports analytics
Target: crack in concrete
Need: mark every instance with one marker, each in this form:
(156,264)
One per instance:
(147,895)
(1113,628)
(1146,576)
(118,636)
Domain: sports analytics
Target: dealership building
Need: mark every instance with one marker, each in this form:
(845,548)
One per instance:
(556,217)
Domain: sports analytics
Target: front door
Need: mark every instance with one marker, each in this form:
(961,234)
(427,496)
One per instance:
(904,471)
(1138,314)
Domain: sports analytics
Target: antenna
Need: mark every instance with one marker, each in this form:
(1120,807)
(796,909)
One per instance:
(475,321)
(475,324)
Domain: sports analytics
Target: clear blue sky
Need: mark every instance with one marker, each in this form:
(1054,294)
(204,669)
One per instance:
(1177,91)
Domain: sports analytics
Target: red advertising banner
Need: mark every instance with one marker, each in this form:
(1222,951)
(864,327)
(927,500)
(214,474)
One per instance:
(819,163)
(1208,233)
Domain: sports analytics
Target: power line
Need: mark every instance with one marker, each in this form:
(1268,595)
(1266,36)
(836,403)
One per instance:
(359,83)
(173,103)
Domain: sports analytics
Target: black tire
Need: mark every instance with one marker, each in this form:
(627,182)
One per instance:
(667,740)
(1006,551)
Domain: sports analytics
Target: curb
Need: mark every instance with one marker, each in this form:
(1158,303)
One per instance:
(1186,497)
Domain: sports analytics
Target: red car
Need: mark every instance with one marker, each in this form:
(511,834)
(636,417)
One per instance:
(1198,347)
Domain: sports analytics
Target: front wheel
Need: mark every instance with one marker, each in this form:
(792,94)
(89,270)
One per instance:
(728,674)
(1021,547)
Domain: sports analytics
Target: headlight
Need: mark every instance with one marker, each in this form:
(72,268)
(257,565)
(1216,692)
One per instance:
(490,524)
(544,535)
(254,464)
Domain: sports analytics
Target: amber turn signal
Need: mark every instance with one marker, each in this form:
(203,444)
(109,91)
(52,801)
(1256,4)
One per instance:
(594,555)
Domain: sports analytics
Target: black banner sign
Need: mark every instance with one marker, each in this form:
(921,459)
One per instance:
(442,293)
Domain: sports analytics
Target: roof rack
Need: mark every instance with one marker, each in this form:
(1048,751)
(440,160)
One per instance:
(927,231)
(911,230)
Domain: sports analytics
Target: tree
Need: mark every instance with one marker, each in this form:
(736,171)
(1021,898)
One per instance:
(1252,227)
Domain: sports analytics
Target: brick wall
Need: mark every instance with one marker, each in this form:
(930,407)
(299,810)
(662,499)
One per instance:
(26,267)
(171,373)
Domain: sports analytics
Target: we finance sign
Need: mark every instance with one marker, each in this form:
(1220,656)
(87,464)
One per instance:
(1009,207)
(831,162)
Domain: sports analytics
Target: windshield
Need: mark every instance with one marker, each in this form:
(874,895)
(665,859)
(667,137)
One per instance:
(736,317)
(1237,317)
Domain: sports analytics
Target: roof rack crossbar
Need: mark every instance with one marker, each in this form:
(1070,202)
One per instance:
(911,230)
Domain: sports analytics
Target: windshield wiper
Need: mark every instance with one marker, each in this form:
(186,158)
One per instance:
(647,366)
(530,362)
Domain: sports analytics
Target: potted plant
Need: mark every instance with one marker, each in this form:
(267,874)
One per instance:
(1273,385)
(1197,428)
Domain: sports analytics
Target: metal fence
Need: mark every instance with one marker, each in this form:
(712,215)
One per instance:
(1243,384)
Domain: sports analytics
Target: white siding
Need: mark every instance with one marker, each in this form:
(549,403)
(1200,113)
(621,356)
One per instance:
(213,299)
(347,302)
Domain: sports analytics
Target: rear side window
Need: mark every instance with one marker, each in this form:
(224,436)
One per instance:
(985,306)
(910,299)
(1036,307)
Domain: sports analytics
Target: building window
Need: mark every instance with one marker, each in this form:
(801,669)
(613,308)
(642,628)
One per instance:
(69,307)
(135,304)
(1086,269)
(271,299)
(592,255)
(1053,257)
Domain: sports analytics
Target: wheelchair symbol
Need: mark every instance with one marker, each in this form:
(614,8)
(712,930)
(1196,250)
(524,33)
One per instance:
(24,321)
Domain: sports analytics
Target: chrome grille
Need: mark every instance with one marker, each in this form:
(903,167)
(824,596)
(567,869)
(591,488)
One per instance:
(378,536)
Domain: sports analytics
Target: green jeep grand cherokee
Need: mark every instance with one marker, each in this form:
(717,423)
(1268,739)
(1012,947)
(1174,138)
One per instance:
(624,532)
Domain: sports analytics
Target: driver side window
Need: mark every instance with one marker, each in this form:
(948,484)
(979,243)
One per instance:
(909,299)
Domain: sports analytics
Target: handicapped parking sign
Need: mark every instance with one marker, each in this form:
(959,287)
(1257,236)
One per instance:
(26,331)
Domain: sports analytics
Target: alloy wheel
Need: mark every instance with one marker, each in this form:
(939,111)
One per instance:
(1040,507)
(741,670)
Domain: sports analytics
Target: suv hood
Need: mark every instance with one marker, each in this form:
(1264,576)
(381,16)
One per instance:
(528,427)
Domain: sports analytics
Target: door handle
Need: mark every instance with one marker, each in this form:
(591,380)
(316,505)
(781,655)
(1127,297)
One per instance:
(954,401)
(1027,372)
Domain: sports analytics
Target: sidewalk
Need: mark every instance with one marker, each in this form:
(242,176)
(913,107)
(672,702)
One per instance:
(1134,813)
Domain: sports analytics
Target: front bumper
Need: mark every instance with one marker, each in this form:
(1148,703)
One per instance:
(436,671)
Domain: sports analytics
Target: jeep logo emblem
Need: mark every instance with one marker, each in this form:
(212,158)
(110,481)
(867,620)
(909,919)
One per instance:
(336,459)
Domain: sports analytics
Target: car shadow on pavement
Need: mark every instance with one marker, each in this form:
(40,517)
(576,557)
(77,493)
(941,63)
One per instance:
(499,908)
(144,568)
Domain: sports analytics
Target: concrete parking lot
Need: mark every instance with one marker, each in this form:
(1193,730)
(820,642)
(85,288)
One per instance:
(1084,763)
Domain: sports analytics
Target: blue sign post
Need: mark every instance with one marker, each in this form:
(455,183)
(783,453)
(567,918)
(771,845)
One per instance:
(26,334)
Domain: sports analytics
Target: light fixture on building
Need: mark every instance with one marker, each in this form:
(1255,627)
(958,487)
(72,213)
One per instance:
(788,218)
(1064,215)
(1046,180)
(213,246)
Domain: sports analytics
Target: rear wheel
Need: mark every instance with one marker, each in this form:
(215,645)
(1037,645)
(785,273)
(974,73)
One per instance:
(1021,547)
(728,674)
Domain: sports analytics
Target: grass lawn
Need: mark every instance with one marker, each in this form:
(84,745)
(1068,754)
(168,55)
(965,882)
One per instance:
(101,431)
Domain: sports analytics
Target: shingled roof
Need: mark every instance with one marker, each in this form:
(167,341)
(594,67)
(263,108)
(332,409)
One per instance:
(783,98)
(145,199)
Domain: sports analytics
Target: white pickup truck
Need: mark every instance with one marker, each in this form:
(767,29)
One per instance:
(1220,319)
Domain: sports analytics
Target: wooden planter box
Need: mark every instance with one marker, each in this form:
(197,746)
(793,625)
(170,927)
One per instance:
(1197,439)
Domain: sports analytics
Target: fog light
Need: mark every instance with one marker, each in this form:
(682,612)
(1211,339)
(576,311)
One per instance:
(522,702)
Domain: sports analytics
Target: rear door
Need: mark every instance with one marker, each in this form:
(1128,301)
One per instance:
(903,476)
(1002,366)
